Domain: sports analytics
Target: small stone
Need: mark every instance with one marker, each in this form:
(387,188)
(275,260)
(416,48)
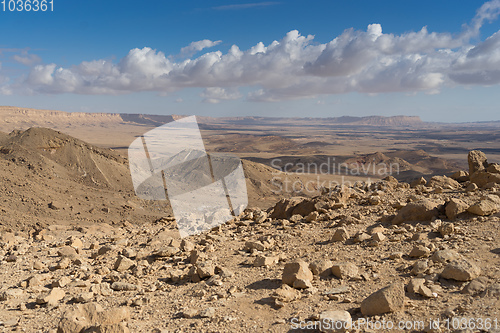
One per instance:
(167,251)
(455,207)
(74,242)
(205,269)
(446,228)
(38,265)
(123,286)
(62,282)
(265,261)
(302,284)
(396,255)
(378,237)
(285,294)
(340,235)
(414,285)
(444,256)
(187,246)
(84,297)
(345,270)
(385,300)
(11,258)
(67,252)
(207,313)
(461,270)
(472,187)
(123,263)
(53,298)
(361,237)
(476,286)
(63,263)
(487,206)
(249,246)
(426,292)
(313,216)
(419,251)
(190,313)
(419,267)
(338,321)
(103,289)
(296,270)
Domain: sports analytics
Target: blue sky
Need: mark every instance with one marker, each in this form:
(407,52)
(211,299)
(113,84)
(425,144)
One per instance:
(436,59)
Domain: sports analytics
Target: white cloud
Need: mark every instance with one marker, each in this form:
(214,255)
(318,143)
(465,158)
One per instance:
(27,60)
(294,67)
(215,95)
(198,46)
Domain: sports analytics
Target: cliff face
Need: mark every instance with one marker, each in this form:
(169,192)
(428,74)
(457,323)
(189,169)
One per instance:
(22,118)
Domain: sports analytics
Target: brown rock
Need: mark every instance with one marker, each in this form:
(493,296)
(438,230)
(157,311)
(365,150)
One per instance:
(477,161)
(388,299)
(338,321)
(296,270)
(455,207)
(54,296)
(461,270)
(122,264)
(487,206)
(265,261)
(443,182)
(419,251)
(345,270)
(322,267)
(444,256)
(340,235)
(460,176)
(423,210)
(285,294)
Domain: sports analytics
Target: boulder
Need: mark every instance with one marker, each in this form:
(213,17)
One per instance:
(423,210)
(461,270)
(385,300)
(454,208)
(345,270)
(91,317)
(477,161)
(460,176)
(296,270)
(488,205)
(443,182)
(335,321)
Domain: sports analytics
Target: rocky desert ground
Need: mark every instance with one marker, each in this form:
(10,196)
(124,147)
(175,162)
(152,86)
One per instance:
(416,251)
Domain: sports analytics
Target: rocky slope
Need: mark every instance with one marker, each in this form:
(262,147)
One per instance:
(422,257)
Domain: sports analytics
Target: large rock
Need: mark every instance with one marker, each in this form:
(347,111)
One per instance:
(295,271)
(284,208)
(54,296)
(455,207)
(321,267)
(423,210)
(92,317)
(483,177)
(477,161)
(388,299)
(345,270)
(461,270)
(335,321)
(488,205)
(443,182)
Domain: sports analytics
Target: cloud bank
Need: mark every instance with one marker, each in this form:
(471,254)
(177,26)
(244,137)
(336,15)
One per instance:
(368,61)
